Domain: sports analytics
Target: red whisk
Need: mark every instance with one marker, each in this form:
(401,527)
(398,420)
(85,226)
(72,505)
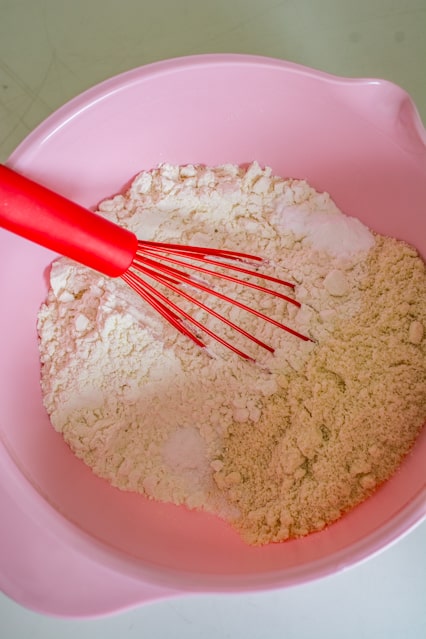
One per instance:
(47,218)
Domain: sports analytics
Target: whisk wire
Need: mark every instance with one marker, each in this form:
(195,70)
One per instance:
(207,289)
(140,286)
(202,254)
(172,278)
(224,276)
(152,298)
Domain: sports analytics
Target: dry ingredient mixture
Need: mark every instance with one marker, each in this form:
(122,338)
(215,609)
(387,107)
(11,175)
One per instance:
(279,448)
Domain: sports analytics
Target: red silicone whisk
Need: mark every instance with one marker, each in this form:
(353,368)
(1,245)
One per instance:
(47,218)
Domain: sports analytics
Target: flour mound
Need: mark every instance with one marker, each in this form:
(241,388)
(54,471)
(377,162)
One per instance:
(278,448)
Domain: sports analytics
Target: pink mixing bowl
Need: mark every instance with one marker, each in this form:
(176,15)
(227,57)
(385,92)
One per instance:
(70,544)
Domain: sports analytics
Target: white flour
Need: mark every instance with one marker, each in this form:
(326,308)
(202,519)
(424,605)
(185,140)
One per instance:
(139,403)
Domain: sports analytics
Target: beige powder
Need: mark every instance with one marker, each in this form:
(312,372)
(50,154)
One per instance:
(343,424)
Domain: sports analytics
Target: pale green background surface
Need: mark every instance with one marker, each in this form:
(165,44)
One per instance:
(52,50)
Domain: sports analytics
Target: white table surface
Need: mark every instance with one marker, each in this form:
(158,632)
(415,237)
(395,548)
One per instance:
(51,50)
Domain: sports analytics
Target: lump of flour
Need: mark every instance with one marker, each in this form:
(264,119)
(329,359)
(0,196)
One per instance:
(279,448)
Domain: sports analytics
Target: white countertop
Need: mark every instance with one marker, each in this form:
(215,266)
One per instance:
(51,50)
(382,599)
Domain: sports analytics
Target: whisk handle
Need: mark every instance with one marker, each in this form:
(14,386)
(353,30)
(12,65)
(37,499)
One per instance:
(51,220)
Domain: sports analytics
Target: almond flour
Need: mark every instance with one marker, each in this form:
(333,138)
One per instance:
(279,448)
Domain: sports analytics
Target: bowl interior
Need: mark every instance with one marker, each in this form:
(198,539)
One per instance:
(360,140)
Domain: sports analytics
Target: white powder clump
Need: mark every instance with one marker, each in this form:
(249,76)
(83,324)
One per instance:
(327,230)
(151,412)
